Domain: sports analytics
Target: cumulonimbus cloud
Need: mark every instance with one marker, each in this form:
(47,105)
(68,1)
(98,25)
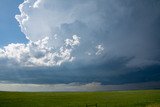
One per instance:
(107,29)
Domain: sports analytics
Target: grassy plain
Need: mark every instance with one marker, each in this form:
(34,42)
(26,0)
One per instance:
(137,98)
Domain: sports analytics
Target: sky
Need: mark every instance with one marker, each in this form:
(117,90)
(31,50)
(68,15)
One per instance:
(79,45)
(9,28)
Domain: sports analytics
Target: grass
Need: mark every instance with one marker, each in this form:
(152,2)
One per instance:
(139,98)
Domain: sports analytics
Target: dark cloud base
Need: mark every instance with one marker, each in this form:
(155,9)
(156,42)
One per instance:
(58,75)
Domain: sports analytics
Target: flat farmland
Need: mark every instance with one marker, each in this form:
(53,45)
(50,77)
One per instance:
(136,98)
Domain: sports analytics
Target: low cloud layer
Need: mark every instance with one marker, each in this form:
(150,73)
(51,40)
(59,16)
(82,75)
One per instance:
(75,87)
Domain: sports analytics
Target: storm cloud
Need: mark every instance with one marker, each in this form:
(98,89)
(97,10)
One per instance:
(122,28)
(85,41)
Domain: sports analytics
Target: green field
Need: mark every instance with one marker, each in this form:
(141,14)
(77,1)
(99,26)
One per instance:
(141,98)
